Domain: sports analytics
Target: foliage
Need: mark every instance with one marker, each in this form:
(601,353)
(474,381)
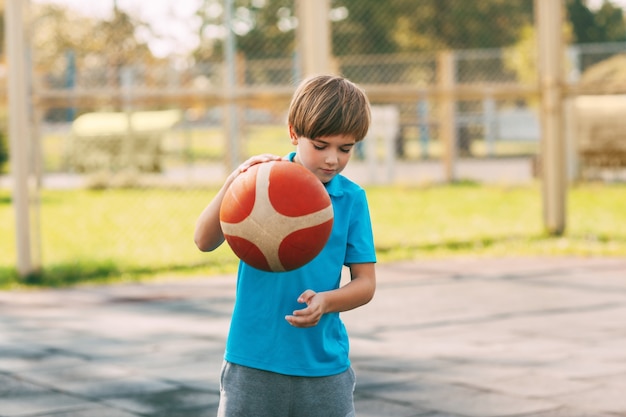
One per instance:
(521,59)
(607,24)
(276,40)
(112,235)
(4,151)
(375,27)
(62,36)
(119,31)
(582,26)
(265,29)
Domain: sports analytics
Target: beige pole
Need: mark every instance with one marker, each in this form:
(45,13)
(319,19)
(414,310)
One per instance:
(549,23)
(447,123)
(314,39)
(19,132)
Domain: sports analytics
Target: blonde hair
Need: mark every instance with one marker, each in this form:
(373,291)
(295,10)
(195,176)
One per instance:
(327,105)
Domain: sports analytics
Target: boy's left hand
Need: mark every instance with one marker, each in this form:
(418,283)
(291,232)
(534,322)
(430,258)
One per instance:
(312,313)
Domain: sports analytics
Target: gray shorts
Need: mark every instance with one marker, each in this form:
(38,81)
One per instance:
(248,392)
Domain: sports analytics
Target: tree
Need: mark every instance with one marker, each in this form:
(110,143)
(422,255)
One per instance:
(583,22)
(610,21)
(265,28)
(367,27)
(4,151)
(95,45)
(2,29)
(373,26)
(127,50)
(272,30)
(605,25)
(53,37)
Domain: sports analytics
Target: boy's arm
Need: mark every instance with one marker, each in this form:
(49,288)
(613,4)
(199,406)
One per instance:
(208,234)
(357,292)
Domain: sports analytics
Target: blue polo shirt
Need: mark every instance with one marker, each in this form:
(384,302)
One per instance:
(261,338)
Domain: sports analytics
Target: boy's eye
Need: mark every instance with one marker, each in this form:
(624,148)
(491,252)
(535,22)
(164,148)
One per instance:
(346,150)
(318,147)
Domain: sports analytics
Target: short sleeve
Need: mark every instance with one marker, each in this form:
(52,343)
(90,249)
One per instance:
(360,245)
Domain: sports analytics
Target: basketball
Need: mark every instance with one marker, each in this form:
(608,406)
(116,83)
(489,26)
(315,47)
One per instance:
(276,216)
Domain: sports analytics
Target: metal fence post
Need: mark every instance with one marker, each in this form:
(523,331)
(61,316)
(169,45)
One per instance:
(490,124)
(20,134)
(231,121)
(549,22)
(447,116)
(314,41)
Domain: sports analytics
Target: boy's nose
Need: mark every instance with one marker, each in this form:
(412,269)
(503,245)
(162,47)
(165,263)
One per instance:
(331,158)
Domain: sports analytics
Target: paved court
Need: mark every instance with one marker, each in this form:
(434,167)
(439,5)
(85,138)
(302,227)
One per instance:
(445,338)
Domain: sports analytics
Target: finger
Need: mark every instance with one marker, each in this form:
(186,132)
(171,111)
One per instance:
(303,312)
(306,297)
(300,321)
(258,159)
(266,157)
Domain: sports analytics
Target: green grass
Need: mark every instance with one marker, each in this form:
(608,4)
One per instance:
(182,146)
(475,220)
(121,235)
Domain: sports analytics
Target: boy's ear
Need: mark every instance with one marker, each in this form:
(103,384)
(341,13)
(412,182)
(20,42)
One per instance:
(293,136)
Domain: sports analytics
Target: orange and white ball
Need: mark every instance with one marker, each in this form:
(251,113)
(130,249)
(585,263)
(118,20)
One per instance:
(276,216)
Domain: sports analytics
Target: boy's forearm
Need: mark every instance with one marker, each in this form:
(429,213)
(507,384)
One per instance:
(359,291)
(208,234)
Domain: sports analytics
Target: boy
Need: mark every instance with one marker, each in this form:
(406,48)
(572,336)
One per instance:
(287,349)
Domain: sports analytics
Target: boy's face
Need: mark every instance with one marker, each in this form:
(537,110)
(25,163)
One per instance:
(326,156)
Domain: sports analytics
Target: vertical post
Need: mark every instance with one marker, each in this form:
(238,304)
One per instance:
(371,150)
(19,132)
(549,22)
(573,53)
(423,118)
(70,80)
(392,129)
(129,145)
(489,122)
(314,39)
(230,120)
(447,120)
(571,135)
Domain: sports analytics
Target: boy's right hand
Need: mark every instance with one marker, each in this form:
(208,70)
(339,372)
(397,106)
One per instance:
(253,160)
(208,234)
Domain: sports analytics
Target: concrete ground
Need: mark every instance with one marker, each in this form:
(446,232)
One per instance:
(442,338)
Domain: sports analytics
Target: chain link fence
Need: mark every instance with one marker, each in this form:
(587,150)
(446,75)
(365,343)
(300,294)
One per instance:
(159,117)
